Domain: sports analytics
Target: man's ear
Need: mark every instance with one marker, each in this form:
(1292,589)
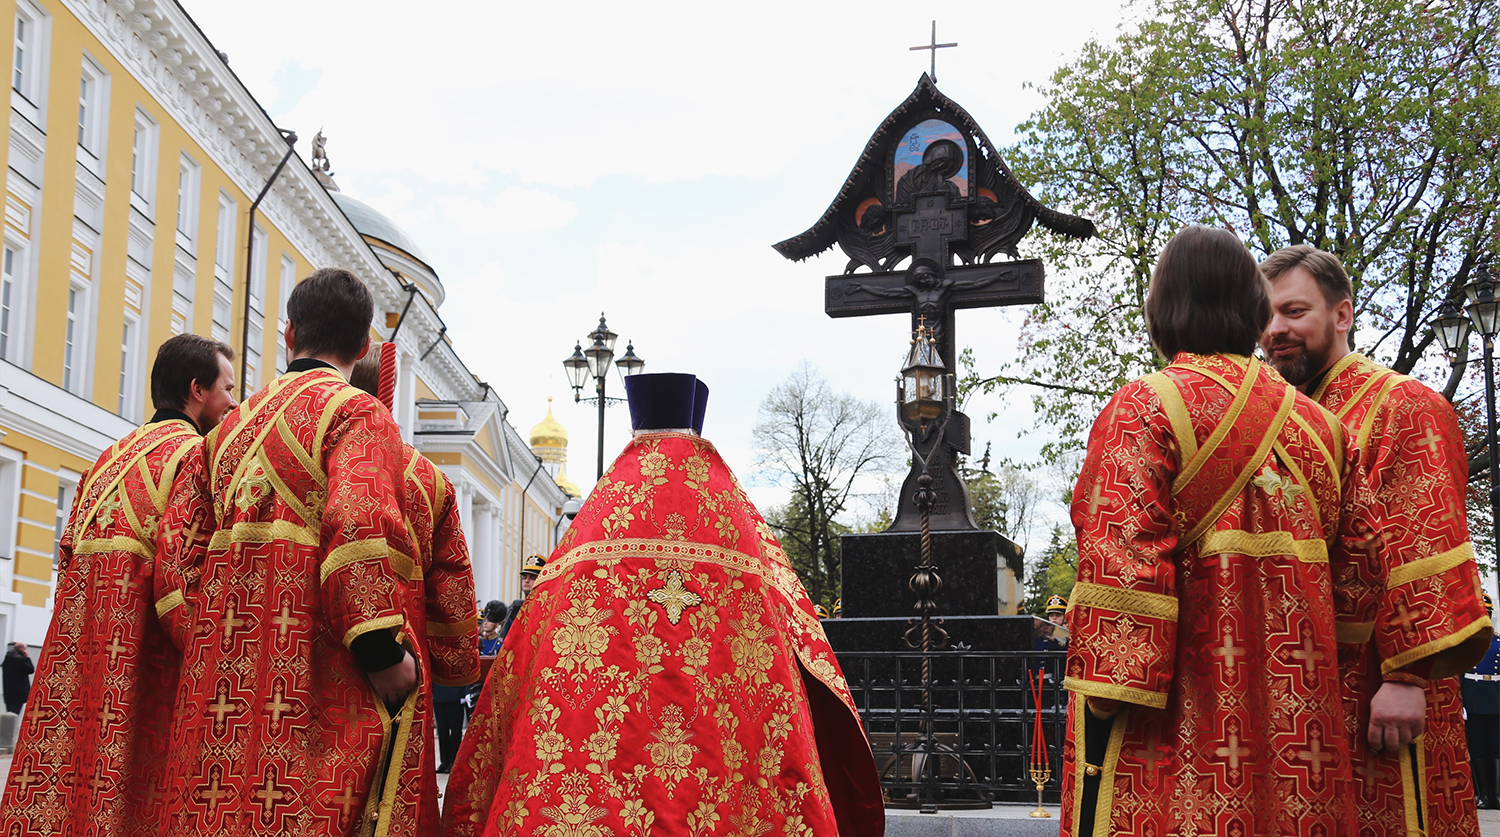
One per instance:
(363,350)
(290,335)
(1343,316)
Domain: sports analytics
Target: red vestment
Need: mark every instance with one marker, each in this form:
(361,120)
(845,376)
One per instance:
(1419,609)
(278,731)
(441,609)
(98,721)
(667,676)
(1207,512)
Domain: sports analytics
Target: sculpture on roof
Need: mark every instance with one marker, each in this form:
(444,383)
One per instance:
(320,153)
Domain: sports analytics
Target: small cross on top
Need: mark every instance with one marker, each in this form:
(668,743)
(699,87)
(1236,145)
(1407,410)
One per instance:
(932,48)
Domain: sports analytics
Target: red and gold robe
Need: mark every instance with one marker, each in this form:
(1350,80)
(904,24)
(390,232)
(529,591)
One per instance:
(98,721)
(1419,611)
(1207,512)
(667,676)
(278,731)
(441,611)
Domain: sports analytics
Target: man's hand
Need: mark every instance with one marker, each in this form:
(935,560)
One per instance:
(395,683)
(1398,713)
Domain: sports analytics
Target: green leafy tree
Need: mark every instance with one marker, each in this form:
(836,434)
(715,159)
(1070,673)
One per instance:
(1368,128)
(1054,573)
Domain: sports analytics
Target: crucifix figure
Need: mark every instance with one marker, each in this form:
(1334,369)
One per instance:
(932,48)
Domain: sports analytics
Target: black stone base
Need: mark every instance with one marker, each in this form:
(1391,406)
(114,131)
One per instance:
(978,633)
(878,566)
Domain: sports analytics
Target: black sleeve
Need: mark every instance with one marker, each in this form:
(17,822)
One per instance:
(376,651)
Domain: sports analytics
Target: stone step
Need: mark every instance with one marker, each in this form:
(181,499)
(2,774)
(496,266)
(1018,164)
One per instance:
(999,821)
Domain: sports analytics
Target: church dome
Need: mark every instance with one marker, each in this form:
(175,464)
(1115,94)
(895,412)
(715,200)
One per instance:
(372,223)
(549,433)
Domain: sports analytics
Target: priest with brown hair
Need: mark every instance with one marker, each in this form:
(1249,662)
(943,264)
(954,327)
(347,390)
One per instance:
(299,681)
(1212,504)
(1410,624)
(98,723)
(668,674)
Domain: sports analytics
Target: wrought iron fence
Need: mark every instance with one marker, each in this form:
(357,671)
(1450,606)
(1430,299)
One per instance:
(980,720)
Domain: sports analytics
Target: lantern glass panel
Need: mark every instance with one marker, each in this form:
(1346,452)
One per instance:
(599,357)
(1486,316)
(1452,331)
(577,367)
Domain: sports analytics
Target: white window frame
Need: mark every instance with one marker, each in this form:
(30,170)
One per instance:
(226,232)
(67,489)
(11,463)
(189,176)
(258,271)
(130,384)
(12,301)
(287,282)
(30,40)
(143,153)
(76,332)
(93,116)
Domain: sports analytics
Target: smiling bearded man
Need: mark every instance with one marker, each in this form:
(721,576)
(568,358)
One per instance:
(1409,624)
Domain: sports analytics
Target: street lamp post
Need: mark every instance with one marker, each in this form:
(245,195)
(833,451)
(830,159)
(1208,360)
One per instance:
(1452,330)
(594,362)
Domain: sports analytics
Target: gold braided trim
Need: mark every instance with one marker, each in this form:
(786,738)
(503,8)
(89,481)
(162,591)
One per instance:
(1093,688)
(284,430)
(118,543)
(264,532)
(252,452)
(1123,600)
(1301,478)
(1253,464)
(1333,373)
(166,604)
(403,565)
(1104,811)
(1177,413)
(1263,545)
(382,623)
(1430,566)
(1354,633)
(1368,425)
(1216,438)
(1336,430)
(330,408)
(352,553)
(1437,646)
(458,628)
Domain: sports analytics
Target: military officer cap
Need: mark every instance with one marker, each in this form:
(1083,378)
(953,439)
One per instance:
(1489,603)
(534,565)
(821,611)
(1057,604)
(838,607)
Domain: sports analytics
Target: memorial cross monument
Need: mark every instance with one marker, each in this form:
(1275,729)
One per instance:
(921,217)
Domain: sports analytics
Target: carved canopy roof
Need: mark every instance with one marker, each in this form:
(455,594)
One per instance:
(866,178)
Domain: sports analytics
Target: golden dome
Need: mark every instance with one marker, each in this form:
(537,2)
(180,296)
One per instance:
(549,433)
(565,484)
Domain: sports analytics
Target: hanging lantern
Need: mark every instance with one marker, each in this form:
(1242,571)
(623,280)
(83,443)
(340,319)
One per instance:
(922,393)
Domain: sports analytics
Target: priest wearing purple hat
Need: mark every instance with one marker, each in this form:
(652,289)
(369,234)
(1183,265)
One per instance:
(672,676)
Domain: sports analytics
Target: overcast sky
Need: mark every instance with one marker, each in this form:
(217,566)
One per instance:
(553,160)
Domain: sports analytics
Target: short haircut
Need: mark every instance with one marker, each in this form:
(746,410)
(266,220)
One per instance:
(331,311)
(1207,295)
(179,362)
(1324,266)
(366,374)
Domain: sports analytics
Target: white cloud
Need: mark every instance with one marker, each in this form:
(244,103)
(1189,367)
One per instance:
(515,210)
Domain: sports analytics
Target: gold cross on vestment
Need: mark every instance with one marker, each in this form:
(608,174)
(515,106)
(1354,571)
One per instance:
(1447,784)
(125,583)
(346,799)
(1151,754)
(26,779)
(1097,500)
(222,707)
(106,514)
(231,621)
(1228,651)
(278,705)
(1316,756)
(97,782)
(1431,441)
(268,794)
(285,621)
(1404,619)
(115,649)
(107,713)
(1309,657)
(674,597)
(1234,751)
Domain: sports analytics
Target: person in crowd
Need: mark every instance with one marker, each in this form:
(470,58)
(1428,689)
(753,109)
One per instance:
(438,609)
(18,669)
(529,571)
(1203,655)
(1410,624)
(90,751)
(1481,696)
(668,673)
(490,636)
(296,624)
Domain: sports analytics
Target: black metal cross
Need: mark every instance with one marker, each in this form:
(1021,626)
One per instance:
(933,48)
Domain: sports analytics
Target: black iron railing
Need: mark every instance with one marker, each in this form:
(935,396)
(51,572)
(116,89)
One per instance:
(981,723)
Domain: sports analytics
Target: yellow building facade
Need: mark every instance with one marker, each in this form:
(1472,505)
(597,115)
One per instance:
(133,157)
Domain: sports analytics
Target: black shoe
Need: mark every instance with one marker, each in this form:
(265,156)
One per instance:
(444,768)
